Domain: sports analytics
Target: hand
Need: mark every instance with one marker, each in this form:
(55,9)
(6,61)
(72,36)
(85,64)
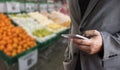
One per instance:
(91,46)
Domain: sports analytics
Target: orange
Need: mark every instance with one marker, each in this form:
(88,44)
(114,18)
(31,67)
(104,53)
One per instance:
(8,53)
(15,45)
(5,50)
(32,39)
(14,53)
(20,43)
(9,41)
(2,42)
(19,47)
(15,40)
(28,48)
(19,51)
(9,47)
(25,46)
(32,43)
(19,39)
(2,47)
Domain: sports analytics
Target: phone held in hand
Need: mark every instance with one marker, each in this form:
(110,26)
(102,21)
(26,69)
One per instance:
(74,36)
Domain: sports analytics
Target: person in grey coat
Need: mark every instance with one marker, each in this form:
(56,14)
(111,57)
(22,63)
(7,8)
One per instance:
(99,20)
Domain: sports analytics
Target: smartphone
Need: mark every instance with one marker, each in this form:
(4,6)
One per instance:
(74,36)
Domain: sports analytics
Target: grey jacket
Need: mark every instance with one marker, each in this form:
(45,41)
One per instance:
(104,16)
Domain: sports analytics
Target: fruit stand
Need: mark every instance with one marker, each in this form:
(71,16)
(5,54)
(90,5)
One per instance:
(14,41)
(23,34)
(18,38)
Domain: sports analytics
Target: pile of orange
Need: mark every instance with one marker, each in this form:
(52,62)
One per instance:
(13,40)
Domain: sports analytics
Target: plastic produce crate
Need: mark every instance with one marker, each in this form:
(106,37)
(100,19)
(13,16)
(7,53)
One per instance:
(11,60)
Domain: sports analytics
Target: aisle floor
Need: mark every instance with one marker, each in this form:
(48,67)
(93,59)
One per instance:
(54,57)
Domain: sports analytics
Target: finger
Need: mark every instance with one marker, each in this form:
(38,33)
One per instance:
(91,33)
(82,42)
(84,48)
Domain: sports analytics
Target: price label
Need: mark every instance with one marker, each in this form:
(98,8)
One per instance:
(50,1)
(27,61)
(51,7)
(22,6)
(2,7)
(43,7)
(13,7)
(30,7)
(58,5)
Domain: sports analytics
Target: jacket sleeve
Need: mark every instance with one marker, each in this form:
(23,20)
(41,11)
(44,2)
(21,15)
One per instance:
(111,44)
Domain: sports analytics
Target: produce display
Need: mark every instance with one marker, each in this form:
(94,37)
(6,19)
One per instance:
(40,18)
(43,34)
(55,27)
(25,21)
(33,28)
(14,16)
(42,26)
(28,24)
(24,33)
(58,17)
(13,40)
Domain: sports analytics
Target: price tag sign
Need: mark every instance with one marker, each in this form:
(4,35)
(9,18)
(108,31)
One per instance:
(50,1)
(2,7)
(22,6)
(27,61)
(30,7)
(43,7)
(13,7)
(51,7)
(58,5)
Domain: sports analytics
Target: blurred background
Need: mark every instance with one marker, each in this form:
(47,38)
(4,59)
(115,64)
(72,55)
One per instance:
(30,34)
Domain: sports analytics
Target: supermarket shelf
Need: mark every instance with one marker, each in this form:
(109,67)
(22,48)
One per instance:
(40,46)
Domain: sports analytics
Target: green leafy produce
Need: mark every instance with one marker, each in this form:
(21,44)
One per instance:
(19,15)
(41,33)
